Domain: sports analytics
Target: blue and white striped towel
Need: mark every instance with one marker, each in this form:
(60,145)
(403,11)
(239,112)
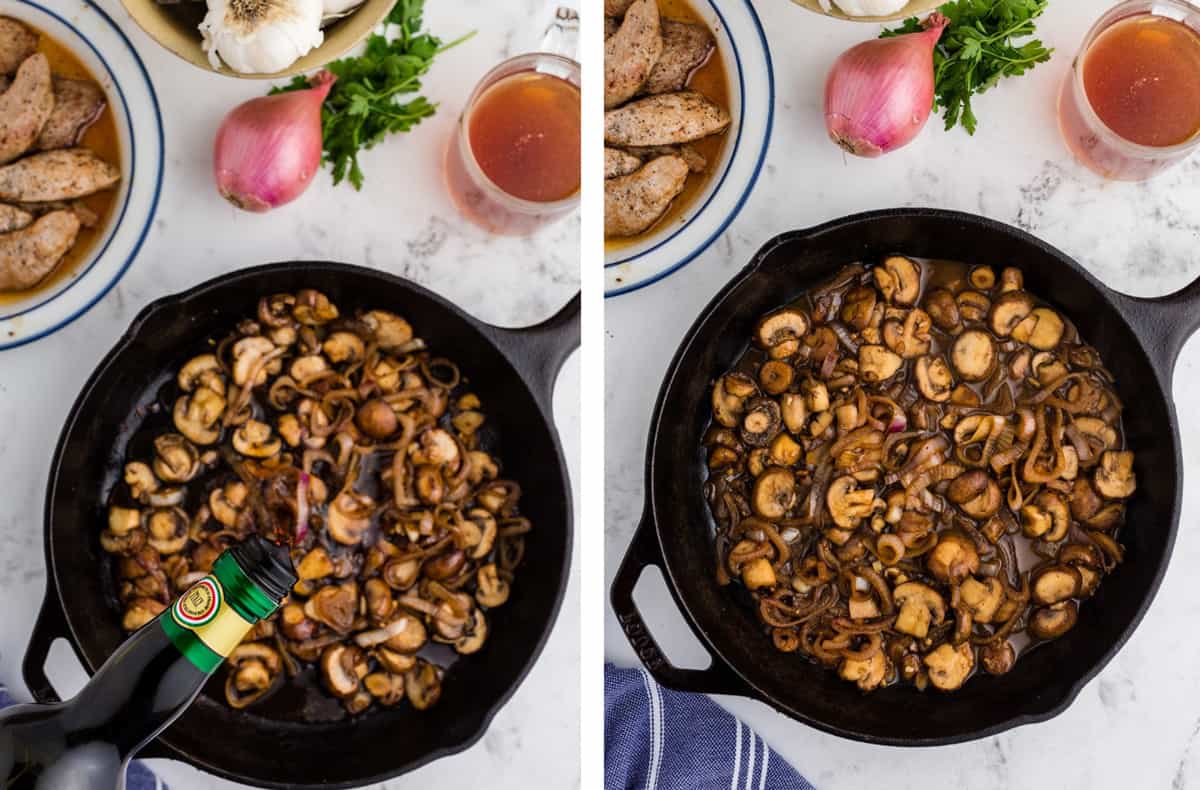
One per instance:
(138,777)
(658,739)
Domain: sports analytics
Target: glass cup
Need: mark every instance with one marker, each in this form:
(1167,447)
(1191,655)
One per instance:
(478,197)
(1089,138)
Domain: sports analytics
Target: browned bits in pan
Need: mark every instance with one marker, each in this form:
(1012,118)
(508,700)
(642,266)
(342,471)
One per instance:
(917,470)
(343,436)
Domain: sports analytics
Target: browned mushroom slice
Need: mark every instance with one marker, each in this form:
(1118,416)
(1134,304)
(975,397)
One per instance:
(313,308)
(491,589)
(729,398)
(1042,329)
(228,502)
(950,666)
(167,530)
(342,669)
(973,355)
(943,310)
(1053,621)
(848,504)
(876,363)
(124,534)
(294,624)
(1047,517)
(335,605)
(976,493)
(935,380)
(1114,477)
(973,306)
(176,459)
(788,324)
(197,416)
(997,658)
(1055,584)
(390,331)
(981,598)
(867,673)
(474,636)
(386,687)
(761,423)
(140,479)
(423,685)
(254,670)
(920,608)
(899,280)
(774,493)
(910,339)
(349,517)
(1010,310)
(858,308)
(954,558)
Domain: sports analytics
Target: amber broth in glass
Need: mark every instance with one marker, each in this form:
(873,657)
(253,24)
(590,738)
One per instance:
(102,139)
(1142,77)
(711,80)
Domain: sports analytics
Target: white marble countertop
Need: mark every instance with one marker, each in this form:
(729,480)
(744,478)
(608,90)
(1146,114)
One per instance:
(402,222)
(1136,725)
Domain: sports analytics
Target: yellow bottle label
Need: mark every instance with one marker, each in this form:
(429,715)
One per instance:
(204,611)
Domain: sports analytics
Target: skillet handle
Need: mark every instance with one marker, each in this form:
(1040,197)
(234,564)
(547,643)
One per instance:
(539,351)
(1164,323)
(51,626)
(644,551)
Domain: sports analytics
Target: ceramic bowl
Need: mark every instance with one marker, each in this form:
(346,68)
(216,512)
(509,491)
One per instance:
(92,36)
(743,46)
(914,8)
(170,29)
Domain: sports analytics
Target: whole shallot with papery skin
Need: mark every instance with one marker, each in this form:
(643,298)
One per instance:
(268,149)
(879,94)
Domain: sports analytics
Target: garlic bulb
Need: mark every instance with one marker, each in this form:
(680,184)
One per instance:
(869,7)
(261,36)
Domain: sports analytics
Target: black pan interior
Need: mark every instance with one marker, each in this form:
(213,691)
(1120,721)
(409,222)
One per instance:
(1043,681)
(245,746)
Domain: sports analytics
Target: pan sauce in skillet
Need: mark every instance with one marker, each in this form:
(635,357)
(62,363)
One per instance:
(916,470)
(343,436)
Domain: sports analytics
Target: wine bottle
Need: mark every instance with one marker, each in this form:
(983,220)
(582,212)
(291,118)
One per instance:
(85,742)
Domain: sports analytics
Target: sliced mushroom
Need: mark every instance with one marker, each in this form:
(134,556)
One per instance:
(949,666)
(390,331)
(397,663)
(876,363)
(423,685)
(349,517)
(982,598)
(934,379)
(445,565)
(1042,329)
(973,355)
(788,325)
(774,493)
(176,459)
(400,574)
(475,635)
(307,368)
(729,398)
(377,419)
(335,605)
(775,376)
(848,504)
(899,280)
(867,673)
(202,371)
(982,277)
(1055,584)
(920,607)
(228,502)
(251,357)
(123,520)
(167,530)
(910,339)
(140,611)
(342,668)
(140,479)
(794,411)
(943,310)
(954,558)
(973,307)
(254,439)
(1114,477)
(197,416)
(1053,621)
(255,668)
(295,624)
(997,658)
(313,308)
(315,565)
(1010,310)
(761,423)
(491,589)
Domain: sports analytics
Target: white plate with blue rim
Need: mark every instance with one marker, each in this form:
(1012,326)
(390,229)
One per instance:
(95,40)
(674,243)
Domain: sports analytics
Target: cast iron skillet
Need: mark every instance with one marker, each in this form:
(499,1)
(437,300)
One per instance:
(513,371)
(1138,338)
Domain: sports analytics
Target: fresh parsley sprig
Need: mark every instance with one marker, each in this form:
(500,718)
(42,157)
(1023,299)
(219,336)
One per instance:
(364,105)
(978,49)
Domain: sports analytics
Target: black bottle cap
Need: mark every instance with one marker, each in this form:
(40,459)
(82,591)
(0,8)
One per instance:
(267,564)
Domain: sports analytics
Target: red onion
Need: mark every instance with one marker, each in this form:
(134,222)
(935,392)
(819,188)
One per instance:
(268,149)
(302,507)
(879,94)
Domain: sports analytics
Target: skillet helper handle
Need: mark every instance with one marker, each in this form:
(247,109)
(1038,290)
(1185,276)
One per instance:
(644,551)
(539,351)
(1165,323)
(51,626)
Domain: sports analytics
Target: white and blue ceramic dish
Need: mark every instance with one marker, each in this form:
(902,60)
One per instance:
(92,36)
(743,46)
